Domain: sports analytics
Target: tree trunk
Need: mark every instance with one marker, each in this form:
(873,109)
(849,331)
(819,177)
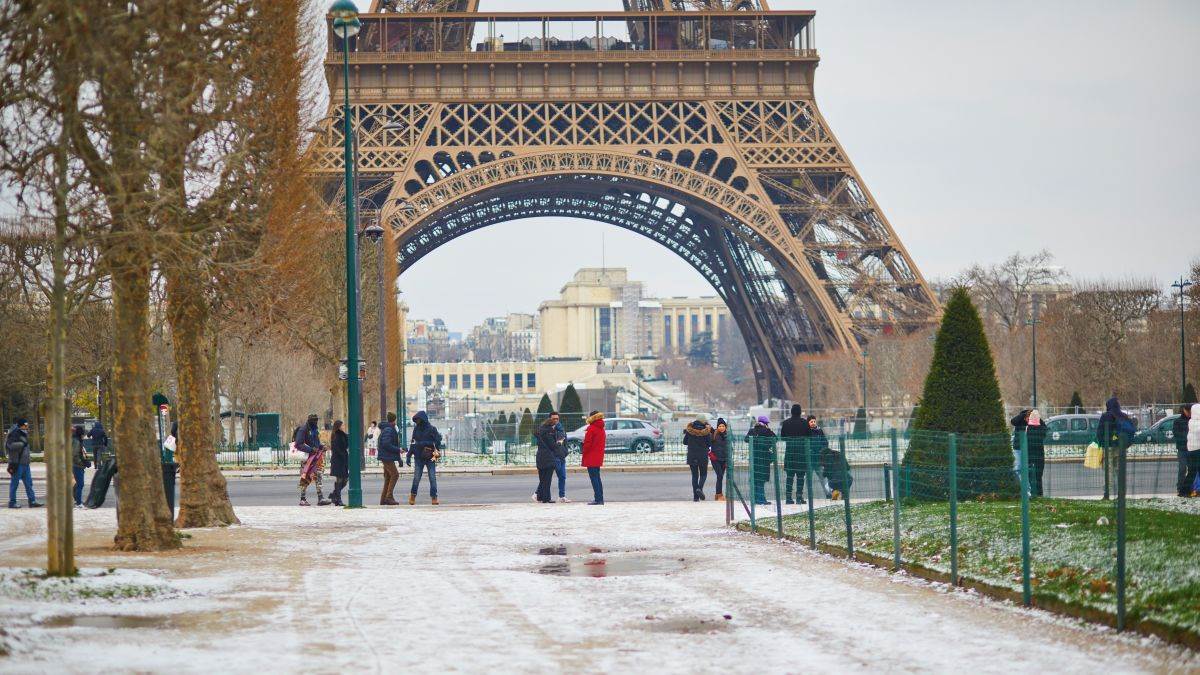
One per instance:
(203,497)
(60,531)
(143,519)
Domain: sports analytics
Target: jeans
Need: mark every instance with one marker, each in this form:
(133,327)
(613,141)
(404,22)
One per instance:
(543,489)
(22,475)
(1037,469)
(597,486)
(719,469)
(78,491)
(560,468)
(699,475)
(794,478)
(760,491)
(422,465)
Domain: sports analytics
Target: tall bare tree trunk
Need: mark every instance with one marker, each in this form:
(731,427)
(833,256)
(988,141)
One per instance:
(143,519)
(203,497)
(60,534)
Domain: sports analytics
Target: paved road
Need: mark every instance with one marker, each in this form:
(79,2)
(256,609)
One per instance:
(1061,480)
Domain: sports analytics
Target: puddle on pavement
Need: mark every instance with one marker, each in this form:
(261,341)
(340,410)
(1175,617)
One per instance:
(608,567)
(569,549)
(107,621)
(686,625)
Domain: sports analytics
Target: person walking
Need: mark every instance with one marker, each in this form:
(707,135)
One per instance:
(697,437)
(307,439)
(79,462)
(424,444)
(1193,446)
(549,449)
(718,454)
(339,461)
(1114,435)
(593,454)
(1179,433)
(794,432)
(560,465)
(389,454)
(762,454)
(99,439)
(16,446)
(372,439)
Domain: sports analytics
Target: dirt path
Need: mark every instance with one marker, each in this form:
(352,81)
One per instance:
(486,588)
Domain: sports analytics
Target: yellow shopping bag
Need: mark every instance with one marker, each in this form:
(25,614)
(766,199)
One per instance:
(1094,457)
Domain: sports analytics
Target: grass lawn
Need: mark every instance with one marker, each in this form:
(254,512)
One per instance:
(1072,542)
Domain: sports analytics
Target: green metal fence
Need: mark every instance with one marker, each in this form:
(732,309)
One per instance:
(1112,544)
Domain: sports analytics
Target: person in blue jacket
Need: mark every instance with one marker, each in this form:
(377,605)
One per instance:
(424,444)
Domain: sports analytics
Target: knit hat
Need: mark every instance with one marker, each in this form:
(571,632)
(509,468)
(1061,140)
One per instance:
(763,419)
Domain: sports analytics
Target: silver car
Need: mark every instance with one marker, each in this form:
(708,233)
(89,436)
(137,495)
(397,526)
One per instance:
(623,434)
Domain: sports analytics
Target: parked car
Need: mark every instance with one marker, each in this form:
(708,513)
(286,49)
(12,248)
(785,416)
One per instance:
(623,434)
(1159,432)
(1072,429)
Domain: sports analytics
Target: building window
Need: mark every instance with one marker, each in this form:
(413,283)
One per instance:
(667,333)
(492,381)
(695,324)
(466,381)
(530,380)
(606,332)
(708,323)
(680,343)
(721,324)
(519,381)
(479,380)
(454,381)
(427,380)
(441,380)
(504,381)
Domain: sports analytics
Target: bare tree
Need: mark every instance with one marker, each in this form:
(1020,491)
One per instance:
(1004,291)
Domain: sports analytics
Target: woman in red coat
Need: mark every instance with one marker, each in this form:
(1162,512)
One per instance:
(593,455)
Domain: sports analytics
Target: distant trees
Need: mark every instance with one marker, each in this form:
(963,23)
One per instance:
(570,409)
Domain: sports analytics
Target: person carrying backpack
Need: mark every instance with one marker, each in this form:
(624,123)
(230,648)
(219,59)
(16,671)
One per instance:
(1114,436)
(16,447)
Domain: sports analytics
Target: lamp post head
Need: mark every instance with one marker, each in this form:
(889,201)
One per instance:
(374,232)
(344,9)
(346,28)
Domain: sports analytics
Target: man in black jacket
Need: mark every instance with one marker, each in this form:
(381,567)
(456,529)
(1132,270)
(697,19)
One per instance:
(795,432)
(1179,433)
(549,450)
(16,447)
(697,437)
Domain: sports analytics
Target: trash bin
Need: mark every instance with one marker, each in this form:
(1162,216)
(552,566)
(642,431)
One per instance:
(169,469)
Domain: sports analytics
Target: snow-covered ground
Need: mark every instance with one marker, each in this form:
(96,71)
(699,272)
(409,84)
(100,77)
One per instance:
(469,589)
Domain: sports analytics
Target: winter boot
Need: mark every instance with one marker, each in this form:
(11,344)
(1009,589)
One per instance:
(412,499)
(14,505)
(433,500)
(36,504)
(718,497)
(837,494)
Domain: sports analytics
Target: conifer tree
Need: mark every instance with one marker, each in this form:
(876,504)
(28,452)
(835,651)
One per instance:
(571,409)
(961,395)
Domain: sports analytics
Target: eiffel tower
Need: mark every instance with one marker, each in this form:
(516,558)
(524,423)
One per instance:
(692,123)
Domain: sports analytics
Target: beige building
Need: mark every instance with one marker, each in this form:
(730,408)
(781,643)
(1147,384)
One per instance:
(601,314)
(499,378)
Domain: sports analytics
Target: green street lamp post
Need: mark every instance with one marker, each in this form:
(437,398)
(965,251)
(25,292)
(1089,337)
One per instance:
(1033,322)
(864,380)
(346,25)
(1182,285)
(809,366)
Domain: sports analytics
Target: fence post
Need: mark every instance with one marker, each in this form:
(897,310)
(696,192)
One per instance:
(846,496)
(1107,451)
(808,477)
(1121,450)
(952,450)
(895,502)
(887,482)
(1026,591)
(753,486)
(778,501)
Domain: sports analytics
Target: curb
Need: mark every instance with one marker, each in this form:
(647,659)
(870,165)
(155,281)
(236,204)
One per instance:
(460,471)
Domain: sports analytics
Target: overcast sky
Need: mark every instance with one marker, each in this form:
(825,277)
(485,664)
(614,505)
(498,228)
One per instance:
(982,128)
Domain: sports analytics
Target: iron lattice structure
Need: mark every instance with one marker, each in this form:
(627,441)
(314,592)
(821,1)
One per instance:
(691,123)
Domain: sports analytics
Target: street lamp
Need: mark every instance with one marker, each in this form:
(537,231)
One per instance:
(374,233)
(864,380)
(809,367)
(346,25)
(1033,322)
(1182,284)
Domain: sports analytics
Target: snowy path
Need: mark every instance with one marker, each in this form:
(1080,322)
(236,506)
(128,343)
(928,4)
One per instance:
(459,589)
